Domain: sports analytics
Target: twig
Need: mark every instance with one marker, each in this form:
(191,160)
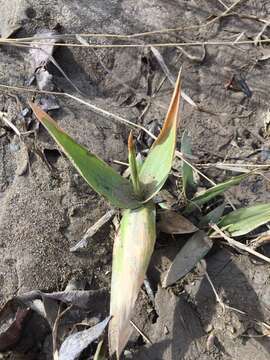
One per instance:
(141,333)
(83,243)
(258,37)
(147,45)
(169,75)
(192,57)
(215,292)
(3,116)
(55,330)
(155,32)
(218,298)
(260,240)
(222,3)
(237,244)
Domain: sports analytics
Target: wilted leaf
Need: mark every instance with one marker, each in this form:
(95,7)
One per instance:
(99,175)
(189,185)
(214,191)
(21,328)
(192,252)
(242,221)
(213,216)
(76,343)
(171,222)
(84,299)
(157,165)
(11,336)
(42,50)
(133,165)
(132,251)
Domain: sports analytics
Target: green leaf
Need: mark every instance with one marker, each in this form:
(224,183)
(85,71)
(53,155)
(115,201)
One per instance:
(99,175)
(211,193)
(133,247)
(189,185)
(133,165)
(242,221)
(157,165)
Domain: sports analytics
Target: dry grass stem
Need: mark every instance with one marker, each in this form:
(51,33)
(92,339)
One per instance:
(237,244)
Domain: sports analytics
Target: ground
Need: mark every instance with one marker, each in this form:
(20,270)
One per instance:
(46,210)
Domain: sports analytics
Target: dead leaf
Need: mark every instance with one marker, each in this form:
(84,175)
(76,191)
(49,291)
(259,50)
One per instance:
(21,328)
(76,343)
(84,299)
(171,222)
(12,335)
(192,252)
(42,49)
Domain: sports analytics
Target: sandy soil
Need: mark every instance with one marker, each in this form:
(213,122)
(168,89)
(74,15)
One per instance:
(46,210)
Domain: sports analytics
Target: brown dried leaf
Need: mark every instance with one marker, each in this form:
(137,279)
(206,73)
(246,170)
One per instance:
(171,222)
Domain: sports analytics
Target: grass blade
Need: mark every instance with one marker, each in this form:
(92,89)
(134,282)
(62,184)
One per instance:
(99,175)
(189,185)
(214,191)
(242,221)
(157,165)
(132,251)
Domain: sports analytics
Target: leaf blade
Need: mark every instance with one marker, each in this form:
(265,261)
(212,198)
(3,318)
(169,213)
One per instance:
(214,191)
(242,221)
(132,251)
(157,165)
(99,175)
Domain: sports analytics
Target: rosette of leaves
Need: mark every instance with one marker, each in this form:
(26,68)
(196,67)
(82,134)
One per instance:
(135,238)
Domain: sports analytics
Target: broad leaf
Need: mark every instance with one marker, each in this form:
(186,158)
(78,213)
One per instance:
(99,175)
(189,185)
(211,193)
(157,165)
(193,251)
(133,165)
(132,251)
(242,221)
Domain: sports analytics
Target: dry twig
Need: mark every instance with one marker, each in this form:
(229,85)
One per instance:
(237,244)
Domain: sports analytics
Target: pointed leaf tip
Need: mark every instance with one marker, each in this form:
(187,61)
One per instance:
(158,163)
(99,175)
